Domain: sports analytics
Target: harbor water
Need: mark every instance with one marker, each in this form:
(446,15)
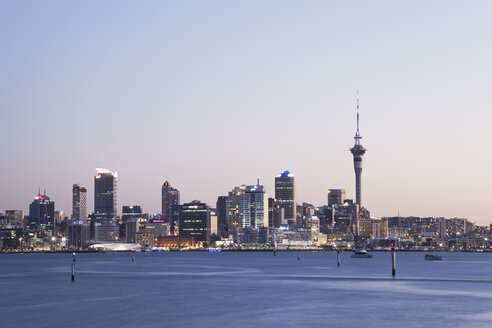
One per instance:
(245,289)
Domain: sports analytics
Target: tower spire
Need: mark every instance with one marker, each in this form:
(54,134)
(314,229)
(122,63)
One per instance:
(358,152)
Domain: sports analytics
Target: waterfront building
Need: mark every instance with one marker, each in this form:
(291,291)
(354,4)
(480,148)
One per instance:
(79,203)
(42,216)
(170,197)
(78,235)
(105,192)
(336,197)
(285,196)
(357,152)
(106,232)
(131,228)
(253,206)
(194,221)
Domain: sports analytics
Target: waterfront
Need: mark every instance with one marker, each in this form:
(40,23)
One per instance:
(198,289)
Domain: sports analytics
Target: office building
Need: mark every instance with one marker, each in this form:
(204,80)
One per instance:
(79,203)
(194,221)
(336,197)
(105,190)
(285,196)
(14,217)
(131,212)
(170,197)
(222,214)
(78,235)
(42,216)
(253,205)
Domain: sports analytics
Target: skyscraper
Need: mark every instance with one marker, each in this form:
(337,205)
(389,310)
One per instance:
(285,196)
(42,216)
(222,213)
(79,203)
(194,221)
(170,197)
(105,186)
(253,206)
(358,151)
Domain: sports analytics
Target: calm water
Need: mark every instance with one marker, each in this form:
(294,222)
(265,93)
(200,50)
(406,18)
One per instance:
(245,290)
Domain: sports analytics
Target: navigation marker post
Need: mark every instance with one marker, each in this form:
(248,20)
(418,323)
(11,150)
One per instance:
(133,255)
(338,256)
(393,261)
(73,266)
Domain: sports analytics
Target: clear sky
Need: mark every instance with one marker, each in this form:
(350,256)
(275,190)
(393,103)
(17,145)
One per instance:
(210,94)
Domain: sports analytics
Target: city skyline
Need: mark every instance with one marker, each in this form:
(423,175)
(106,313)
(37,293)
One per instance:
(185,89)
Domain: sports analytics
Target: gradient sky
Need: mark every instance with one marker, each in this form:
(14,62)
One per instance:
(210,94)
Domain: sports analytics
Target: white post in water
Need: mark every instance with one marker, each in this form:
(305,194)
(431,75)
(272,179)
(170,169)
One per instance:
(299,254)
(393,261)
(338,256)
(133,255)
(73,266)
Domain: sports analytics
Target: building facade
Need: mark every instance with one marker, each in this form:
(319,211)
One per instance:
(285,196)
(253,206)
(105,195)
(42,216)
(194,221)
(170,197)
(79,203)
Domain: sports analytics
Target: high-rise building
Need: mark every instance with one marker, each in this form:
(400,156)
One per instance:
(285,196)
(358,151)
(222,213)
(42,216)
(194,221)
(336,197)
(253,206)
(273,213)
(79,203)
(131,213)
(78,235)
(233,204)
(170,197)
(105,186)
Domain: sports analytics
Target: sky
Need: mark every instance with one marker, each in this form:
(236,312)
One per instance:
(212,94)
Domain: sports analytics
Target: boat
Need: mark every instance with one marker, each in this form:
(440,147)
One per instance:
(361,254)
(432,257)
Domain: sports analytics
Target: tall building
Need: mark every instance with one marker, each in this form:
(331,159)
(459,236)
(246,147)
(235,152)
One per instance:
(42,216)
(285,196)
(358,151)
(233,204)
(170,197)
(105,186)
(194,221)
(336,197)
(253,206)
(79,203)
(131,213)
(222,213)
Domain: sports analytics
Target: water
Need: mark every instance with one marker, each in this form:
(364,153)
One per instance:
(245,290)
